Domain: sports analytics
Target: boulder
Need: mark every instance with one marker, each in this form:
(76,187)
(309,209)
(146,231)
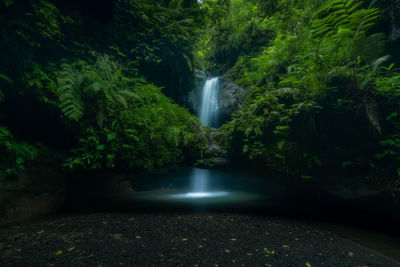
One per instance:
(231,98)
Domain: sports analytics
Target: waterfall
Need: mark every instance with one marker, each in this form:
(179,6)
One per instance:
(209,113)
(209,103)
(199,184)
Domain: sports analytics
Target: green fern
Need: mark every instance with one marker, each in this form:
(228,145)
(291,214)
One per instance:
(102,83)
(70,92)
(345,14)
(370,48)
(173,135)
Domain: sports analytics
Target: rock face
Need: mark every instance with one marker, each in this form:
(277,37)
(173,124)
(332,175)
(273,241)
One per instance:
(231,98)
(394,12)
(215,157)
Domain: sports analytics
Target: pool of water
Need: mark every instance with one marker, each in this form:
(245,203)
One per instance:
(189,178)
(190,189)
(193,188)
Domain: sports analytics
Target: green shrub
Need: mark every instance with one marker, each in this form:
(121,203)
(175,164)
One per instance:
(125,122)
(14,156)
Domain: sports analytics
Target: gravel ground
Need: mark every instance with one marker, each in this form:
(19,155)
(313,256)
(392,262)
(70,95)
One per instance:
(129,239)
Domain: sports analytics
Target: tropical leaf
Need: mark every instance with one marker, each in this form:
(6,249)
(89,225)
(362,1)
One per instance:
(370,48)
(5,78)
(81,81)
(70,93)
(346,14)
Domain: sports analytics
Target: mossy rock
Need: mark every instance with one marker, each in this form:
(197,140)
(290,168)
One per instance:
(212,163)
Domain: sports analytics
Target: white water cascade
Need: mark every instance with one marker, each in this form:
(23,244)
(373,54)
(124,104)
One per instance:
(209,103)
(209,115)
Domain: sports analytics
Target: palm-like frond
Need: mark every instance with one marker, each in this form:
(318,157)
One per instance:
(70,93)
(369,48)
(343,14)
(102,81)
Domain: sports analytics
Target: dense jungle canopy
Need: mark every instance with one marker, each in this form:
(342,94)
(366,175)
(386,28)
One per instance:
(99,85)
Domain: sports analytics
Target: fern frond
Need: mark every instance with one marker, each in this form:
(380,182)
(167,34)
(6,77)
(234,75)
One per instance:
(121,100)
(133,80)
(173,135)
(69,92)
(370,48)
(343,14)
(129,94)
(102,83)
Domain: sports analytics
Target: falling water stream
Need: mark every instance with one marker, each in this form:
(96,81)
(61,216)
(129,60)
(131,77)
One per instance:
(208,117)
(209,110)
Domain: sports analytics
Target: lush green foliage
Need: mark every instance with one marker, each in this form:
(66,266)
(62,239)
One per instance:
(14,156)
(319,87)
(135,126)
(232,27)
(95,67)
(323,90)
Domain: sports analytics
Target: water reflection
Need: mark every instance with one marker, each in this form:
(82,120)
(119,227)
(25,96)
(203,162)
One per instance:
(200,186)
(201,195)
(200,180)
